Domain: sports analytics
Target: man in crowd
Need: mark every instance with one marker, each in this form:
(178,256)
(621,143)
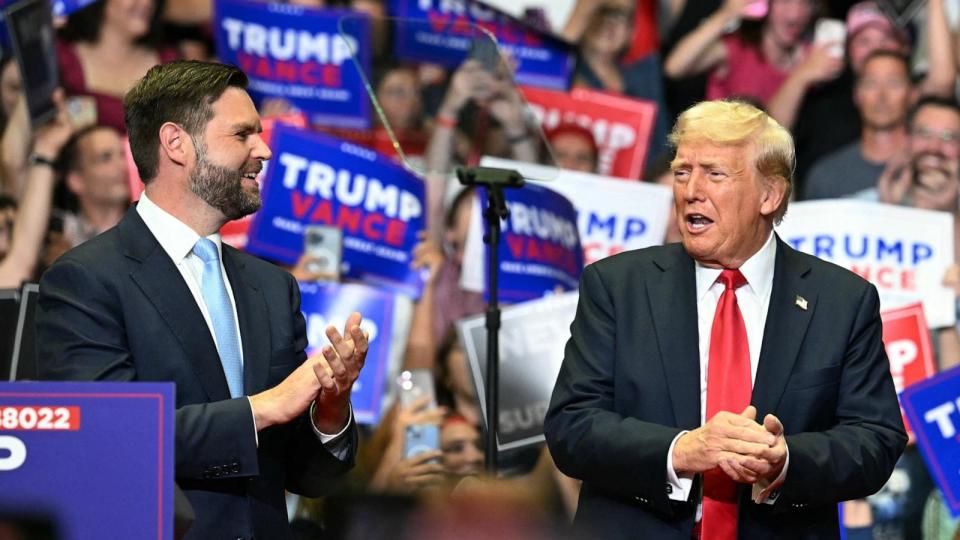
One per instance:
(816,101)
(574,147)
(925,176)
(882,94)
(160,298)
(696,370)
(94,167)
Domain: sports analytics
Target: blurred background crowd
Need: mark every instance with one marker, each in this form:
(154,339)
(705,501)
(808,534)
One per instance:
(874,115)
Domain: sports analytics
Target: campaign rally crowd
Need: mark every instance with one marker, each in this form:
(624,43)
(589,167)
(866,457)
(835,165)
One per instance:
(872,107)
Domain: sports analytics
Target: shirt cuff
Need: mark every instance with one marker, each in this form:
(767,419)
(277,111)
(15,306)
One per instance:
(325,438)
(767,492)
(678,486)
(253,418)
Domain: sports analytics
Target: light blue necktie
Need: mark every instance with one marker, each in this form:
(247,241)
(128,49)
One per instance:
(221,313)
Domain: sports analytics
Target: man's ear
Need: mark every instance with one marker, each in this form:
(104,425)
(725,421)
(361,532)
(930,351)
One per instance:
(774,190)
(74,183)
(175,144)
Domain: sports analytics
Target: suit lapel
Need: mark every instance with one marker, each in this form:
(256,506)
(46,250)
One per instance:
(786,326)
(673,303)
(163,285)
(252,315)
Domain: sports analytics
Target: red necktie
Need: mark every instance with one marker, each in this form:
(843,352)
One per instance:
(729,386)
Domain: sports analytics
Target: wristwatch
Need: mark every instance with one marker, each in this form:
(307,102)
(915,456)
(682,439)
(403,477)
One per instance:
(38,159)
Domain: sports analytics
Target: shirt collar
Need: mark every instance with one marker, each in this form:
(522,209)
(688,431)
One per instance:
(174,236)
(758,270)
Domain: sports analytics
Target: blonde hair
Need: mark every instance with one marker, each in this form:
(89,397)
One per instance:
(736,123)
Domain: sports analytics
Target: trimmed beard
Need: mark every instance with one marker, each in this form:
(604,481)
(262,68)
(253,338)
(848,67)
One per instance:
(220,187)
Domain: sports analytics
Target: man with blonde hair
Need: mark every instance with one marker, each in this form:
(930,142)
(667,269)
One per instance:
(727,386)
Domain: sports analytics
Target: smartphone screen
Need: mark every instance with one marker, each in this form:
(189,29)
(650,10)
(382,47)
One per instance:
(417,439)
(82,111)
(484,51)
(323,245)
(831,31)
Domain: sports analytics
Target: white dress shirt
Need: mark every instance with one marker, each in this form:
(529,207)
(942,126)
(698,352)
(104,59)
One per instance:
(177,240)
(753,299)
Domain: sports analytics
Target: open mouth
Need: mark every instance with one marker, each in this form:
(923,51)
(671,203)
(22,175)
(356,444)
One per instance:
(698,222)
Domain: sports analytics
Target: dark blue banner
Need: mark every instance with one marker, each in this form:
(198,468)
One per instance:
(933,410)
(540,249)
(324,304)
(298,54)
(442,31)
(318,179)
(96,459)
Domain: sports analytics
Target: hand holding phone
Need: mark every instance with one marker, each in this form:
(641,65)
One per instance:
(419,413)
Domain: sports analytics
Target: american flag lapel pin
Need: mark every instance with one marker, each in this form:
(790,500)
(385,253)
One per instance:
(801,302)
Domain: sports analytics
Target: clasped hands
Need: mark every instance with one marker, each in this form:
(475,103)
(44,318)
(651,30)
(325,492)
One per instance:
(326,378)
(744,449)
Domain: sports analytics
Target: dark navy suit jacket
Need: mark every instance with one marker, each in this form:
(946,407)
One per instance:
(630,382)
(117,309)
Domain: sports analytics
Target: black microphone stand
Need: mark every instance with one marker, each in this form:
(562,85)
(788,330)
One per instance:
(494,181)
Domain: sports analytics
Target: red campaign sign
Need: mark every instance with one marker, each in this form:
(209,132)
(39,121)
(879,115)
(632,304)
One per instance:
(621,126)
(235,232)
(907,341)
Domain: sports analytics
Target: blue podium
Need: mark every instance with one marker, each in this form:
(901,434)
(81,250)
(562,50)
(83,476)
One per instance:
(95,459)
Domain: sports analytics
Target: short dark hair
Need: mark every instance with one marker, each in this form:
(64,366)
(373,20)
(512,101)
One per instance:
(180,92)
(932,101)
(69,158)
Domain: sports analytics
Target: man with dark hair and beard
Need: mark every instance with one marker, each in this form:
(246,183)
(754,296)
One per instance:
(160,298)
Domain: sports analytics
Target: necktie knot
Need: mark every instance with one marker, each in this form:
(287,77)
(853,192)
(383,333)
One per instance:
(732,279)
(206,250)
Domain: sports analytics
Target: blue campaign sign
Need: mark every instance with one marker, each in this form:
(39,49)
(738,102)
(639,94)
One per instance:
(324,304)
(540,248)
(92,457)
(933,410)
(442,31)
(298,54)
(318,179)
(62,8)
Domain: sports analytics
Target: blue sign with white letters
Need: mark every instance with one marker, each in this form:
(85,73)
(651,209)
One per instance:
(89,456)
(540,248)
(933,410)
(299,54)
(442,32)
(324,304)
(318,179)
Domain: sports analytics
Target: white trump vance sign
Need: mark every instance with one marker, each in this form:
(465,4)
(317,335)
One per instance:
(903,251)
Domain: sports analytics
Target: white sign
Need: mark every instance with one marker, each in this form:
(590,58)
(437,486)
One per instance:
(532,340)
(904,251)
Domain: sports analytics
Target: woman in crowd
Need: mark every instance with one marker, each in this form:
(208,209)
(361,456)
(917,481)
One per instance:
(752,62)
(107,46)
(601,48)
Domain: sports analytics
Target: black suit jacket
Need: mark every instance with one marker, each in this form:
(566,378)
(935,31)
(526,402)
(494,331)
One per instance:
(116,308)
(630,382)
